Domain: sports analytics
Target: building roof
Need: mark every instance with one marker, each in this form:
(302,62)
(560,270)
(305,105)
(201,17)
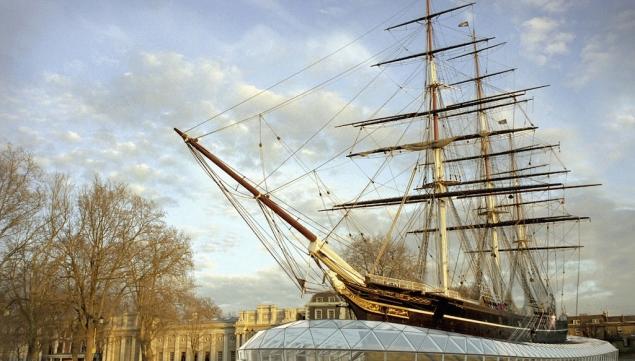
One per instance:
(389,337)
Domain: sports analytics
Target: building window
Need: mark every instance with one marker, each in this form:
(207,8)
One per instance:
(330,314)
(160,356)
(219,356)
(596,320)
(232,355)
(318,314)
(576,322)
(171,356)
(332,299)
(182,356)
(319,299)
(207,356)
(195,356)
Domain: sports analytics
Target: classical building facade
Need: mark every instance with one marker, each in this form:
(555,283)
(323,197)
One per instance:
(215,341)
(117,337)
(117,340)
(603,326)
(263,317)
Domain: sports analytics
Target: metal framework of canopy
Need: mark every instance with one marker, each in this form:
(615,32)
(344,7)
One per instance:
(370,340)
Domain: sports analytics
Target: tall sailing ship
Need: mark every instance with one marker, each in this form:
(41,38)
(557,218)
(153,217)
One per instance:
(478,194)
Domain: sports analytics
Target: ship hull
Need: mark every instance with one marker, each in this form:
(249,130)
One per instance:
(444,313)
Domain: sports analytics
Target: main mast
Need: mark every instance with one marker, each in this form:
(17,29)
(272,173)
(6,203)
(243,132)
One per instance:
(490,200)
(440,187)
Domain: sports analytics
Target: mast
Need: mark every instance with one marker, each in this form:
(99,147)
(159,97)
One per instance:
(542,296)
(438,174)
(490,201)
(521,232)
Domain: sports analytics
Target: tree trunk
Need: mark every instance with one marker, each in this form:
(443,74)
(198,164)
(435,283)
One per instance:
(149,353)
(90,342)
(74,346)
(143,348)
(31,349)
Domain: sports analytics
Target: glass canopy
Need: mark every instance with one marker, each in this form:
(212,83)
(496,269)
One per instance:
(372,340)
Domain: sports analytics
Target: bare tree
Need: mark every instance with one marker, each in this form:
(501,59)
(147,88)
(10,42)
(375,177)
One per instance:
(197,311)
(159,282)
(33,278)
(98,249)
(33,211)
(21,198)
(397,261)
(71,258)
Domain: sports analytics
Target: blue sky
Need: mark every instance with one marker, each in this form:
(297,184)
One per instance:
(96,88)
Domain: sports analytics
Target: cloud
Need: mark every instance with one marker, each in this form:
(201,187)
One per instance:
(72,136)
(118,123)
(332,11)
(625,20)
(619,135)
(624,121)
(125,124)
(244,292)
(608,247)
(280,11)
(605,58)
(551,6)
(596,58)
(543,39)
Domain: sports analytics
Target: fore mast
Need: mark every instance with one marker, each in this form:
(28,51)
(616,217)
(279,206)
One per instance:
(438,171)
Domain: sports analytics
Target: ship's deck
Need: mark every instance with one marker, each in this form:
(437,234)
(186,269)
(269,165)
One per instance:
(371,340)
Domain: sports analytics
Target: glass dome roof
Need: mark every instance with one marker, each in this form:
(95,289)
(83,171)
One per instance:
(356,335)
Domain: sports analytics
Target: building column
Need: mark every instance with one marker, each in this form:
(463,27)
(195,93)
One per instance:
(104,349)
(214,347)
(133,349)
(111,349)
(226,346)
(165,348)
(122,348)
(177,344)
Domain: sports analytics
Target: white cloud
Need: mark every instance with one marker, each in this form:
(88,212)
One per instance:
(274,7)
(125,125)
(608,244)
(71,136)
(606,57)
(243,292)
(596,58)
(126,118)
(332,11)
(624,122)
(552,6)
(619,135)
(543,39)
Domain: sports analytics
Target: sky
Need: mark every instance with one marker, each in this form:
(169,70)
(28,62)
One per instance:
(96,88)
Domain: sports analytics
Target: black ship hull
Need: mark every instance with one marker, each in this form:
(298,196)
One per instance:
(436,311)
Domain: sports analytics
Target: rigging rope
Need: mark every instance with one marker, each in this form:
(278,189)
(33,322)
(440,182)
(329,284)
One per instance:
(388,236)
(303,69)
(308,91)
